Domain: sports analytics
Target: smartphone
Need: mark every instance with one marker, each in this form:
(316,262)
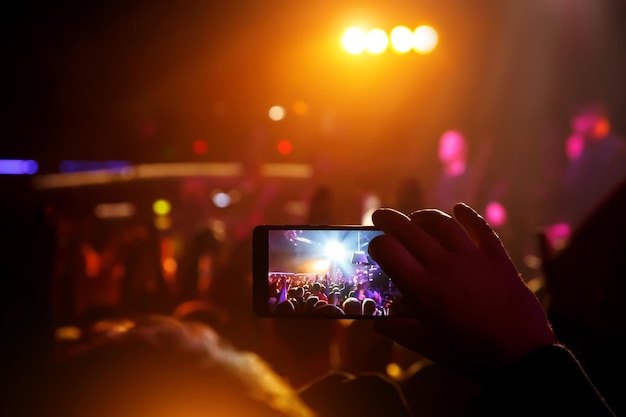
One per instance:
(319,272)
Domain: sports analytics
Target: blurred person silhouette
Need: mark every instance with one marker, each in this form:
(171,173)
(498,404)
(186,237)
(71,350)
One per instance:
(321,206)
(473,314)
(586,288)
(26,310)
(459,179)
(596,164)
(410,196)
(199,265)
(341,394)
(304,349)
(160,367)
(143,287)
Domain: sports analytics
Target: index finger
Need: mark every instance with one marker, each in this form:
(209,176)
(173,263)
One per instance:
(424,247)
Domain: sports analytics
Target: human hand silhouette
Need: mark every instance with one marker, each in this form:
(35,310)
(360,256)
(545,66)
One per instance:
(470,310)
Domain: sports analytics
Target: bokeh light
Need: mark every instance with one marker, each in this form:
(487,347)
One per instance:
(377,41)
(221,199)
(401,39)
(200,147)
(425,39)
(163,222)
(277,113)
(300,107)
(18,167)
(335,250)
(161,207)
(354,40)
(602,128)
(284,147)
(496,214)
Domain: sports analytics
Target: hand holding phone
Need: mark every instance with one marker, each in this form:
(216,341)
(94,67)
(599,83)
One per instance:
(471,311)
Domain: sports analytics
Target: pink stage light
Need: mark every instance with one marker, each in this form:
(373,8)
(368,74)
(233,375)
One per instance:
(495,214)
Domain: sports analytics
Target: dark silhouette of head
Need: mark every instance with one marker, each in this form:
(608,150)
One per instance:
(162,367)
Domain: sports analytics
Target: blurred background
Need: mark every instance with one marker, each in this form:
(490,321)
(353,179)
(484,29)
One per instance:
(151,136)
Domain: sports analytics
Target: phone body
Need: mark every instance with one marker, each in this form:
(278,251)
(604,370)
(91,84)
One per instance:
(304,271)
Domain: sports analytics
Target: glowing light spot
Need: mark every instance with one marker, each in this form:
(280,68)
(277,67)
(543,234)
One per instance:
(221,199)
(532,261)
(335,251)
(558,235)
(321,266)
(602,128)
(68,333)
(161,207)
(114,210)
(170,266)
(18,167)
(425,39)
(163,222)
(401,39)
(495,214)
(277,113)
(452,147)
(377,41)
(574,146)
(301,108)
(354,40)
(200,147)
(284,147)
(394,371)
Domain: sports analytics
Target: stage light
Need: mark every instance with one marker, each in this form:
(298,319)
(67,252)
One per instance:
(335,251)
(377,41)
(170,266)
(18,167)
(401,39)
(495,213)
(200,147)
(277,113)
(354,40)
(161,207)
(425,39)
(284,147)
(602,128)
(221,199)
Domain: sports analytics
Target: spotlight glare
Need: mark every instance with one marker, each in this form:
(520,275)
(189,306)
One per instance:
(377,41)
(401,39)
(354,40)
(335,250)
(425,39)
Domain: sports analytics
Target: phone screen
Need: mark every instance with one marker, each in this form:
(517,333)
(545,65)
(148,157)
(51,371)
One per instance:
(326,272)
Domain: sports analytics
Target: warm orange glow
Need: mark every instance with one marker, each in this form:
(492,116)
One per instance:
(300,107)
(602,128)
(401,39)
(354,40)
(425,39)
(170,266)
(284,147)
(377,41)
(163,222)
